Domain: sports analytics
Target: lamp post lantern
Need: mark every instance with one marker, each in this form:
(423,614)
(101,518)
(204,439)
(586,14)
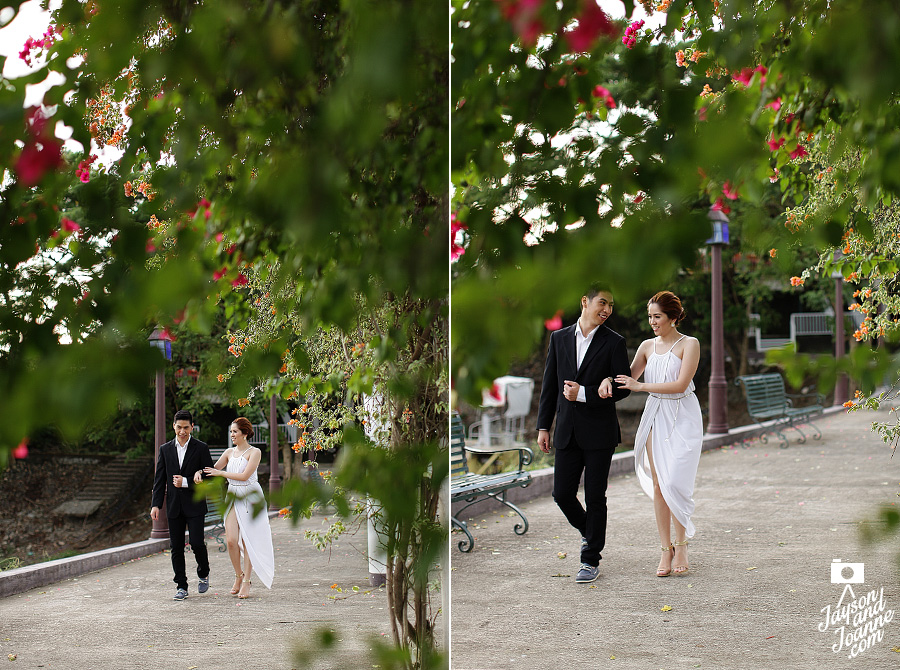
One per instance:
(160,339)
(718,389)
(841,386)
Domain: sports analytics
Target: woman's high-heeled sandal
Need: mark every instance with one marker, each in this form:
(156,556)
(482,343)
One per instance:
(680,570)
(244,596)
(239,579)
(665,573)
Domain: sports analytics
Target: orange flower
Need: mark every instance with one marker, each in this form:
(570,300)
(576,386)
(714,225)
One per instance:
(796,281)
(849,404)
(221,378)
(284,511)
(772,253)
(243,402)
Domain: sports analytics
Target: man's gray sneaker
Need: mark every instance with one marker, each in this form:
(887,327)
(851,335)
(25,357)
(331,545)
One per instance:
(588,573)
(181,594)
(203,586)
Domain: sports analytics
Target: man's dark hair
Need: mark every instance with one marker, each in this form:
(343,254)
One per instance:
(596,288)
(183,415)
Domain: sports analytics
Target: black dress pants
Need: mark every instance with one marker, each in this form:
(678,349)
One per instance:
(590,519)
(194,525)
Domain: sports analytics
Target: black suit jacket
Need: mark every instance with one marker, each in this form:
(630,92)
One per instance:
(594,423)
(180,501)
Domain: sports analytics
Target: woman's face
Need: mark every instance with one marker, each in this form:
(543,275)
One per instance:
(659,322)
(235,433)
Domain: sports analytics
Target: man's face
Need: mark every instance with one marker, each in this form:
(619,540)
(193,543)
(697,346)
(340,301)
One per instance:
(596,310)
(183,429)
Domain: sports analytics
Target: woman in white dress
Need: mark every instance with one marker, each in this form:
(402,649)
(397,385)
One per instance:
(246,518)
(670,435)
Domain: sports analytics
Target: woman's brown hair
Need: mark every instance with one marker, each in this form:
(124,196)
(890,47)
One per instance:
(244,426)
(670,305)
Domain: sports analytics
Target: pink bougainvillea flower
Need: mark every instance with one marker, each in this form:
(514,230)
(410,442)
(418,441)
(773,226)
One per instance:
(799,152)
(762,74)
(775,104)
(166,334)
(220,237)
(774,144)
(69,226)
(241,280)
(22,450)
(629,39)
(720,206)
(592,24)
(456,227)
(218,274)
(150,247)
(701,113)
(730,191)
(603,92)
(39,157)
(743,76)
(554,323)
(523,16)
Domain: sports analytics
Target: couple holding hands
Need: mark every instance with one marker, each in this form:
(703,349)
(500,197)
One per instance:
(186,461)
(586,373)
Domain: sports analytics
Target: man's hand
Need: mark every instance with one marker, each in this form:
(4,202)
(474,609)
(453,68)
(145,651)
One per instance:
(176,479)
(570,392)
(154,513)
(544,440)
(198,477)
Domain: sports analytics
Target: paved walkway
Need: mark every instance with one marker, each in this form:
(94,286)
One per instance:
(124,617)
(769,522)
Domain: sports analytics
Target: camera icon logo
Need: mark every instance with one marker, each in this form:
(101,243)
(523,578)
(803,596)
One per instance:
(847,573)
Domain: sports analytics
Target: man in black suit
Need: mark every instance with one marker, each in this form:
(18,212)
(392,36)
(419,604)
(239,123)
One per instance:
(579,359)
(178,460)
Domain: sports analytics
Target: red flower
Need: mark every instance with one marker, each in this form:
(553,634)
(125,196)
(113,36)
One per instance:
(218,274)
(554,323)
(69,226)
(729,191)
(774,144)
(495,393)
(456,227)
(522,14)
(40,156)
(240,281)
(592,23)
(799,152)
(720,206)
(166,334)
(775,104)
(602,92)
(22,450)
(743,76)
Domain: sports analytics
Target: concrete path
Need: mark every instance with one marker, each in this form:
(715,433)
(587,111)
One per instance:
(124,617)
(769,522)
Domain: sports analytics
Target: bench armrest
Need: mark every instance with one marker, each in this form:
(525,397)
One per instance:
(817,397)
(525,454)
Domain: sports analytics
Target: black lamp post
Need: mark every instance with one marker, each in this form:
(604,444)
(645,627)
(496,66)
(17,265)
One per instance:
(841,386)
(718,389)
(274,474)
(160,339)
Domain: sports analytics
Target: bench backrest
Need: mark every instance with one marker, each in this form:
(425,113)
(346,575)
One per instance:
(764,392)
(458,464)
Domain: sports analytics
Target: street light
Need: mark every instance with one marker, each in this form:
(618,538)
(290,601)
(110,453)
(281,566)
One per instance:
(160,339)
(718,389)
(841,386)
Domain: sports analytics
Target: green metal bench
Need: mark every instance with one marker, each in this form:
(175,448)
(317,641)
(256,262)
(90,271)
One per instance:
(767,400)
(471,487)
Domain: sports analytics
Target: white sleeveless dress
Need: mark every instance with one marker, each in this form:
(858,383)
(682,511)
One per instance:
(677,436)
(255,530)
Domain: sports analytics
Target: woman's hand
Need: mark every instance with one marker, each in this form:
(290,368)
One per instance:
(212,471)
(605,389)
(626,382)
